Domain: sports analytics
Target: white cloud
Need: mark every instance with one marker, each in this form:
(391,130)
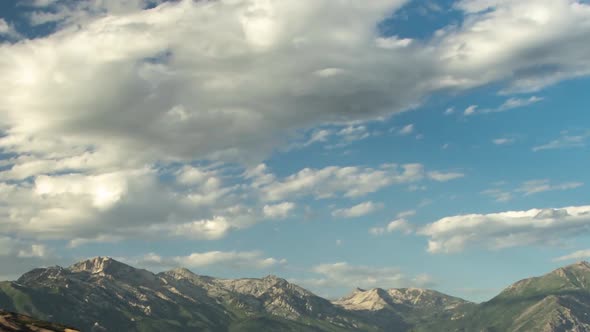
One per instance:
(574,256)
(346,275)
(500,38)
(358,210)
(407,130)
(117,93)
(498,194)
(444,177)
(539,186)
(518,102)
(217,259)
(278,211)
(398,225)
(503,141)
(406,214)
(506,229)
(332,181)
(567,140)
(8,30)
(449,111)
(528,188)
(470,110)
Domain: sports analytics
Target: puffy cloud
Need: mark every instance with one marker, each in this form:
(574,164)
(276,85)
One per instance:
(359,210)
(278,211)
(92,112)
(506,229)
(509,39)
(346,275)
(398,225)
(225,259)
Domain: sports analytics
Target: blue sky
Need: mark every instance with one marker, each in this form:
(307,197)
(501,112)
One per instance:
(439,144)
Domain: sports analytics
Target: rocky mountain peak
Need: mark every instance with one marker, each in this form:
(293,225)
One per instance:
(582,265)
(360,299)
(98,265)
(181,273)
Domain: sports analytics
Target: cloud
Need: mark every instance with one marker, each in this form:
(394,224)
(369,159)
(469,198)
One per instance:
(498,39)
(518,102)
(331,181)
(217,259)
(406,130)
(506,229)
(509,104)
(18,256)
(449,111)
(503,141)
(278,211)
(8,30)
(94,113)
(343,274)
(358,210)
(574,256)
(539,186)
(470,110)
(528,188)
(498,194)
(398,225)
(444,177)
(566,141)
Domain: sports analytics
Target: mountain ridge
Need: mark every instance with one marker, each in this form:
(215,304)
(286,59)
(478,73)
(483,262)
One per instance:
(103,294)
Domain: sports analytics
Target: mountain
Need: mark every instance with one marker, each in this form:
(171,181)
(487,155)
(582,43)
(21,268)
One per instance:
(557,301)
(12,322)
(413,306)
(102,294)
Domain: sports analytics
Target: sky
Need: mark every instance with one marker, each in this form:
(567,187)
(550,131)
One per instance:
(335,143)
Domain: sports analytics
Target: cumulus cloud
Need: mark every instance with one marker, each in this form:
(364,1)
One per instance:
(359,210)
(506,229)
(218,259)
(398,225)
(95,110)
(278,211)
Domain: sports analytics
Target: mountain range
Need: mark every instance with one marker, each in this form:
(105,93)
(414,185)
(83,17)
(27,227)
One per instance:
(102,294)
